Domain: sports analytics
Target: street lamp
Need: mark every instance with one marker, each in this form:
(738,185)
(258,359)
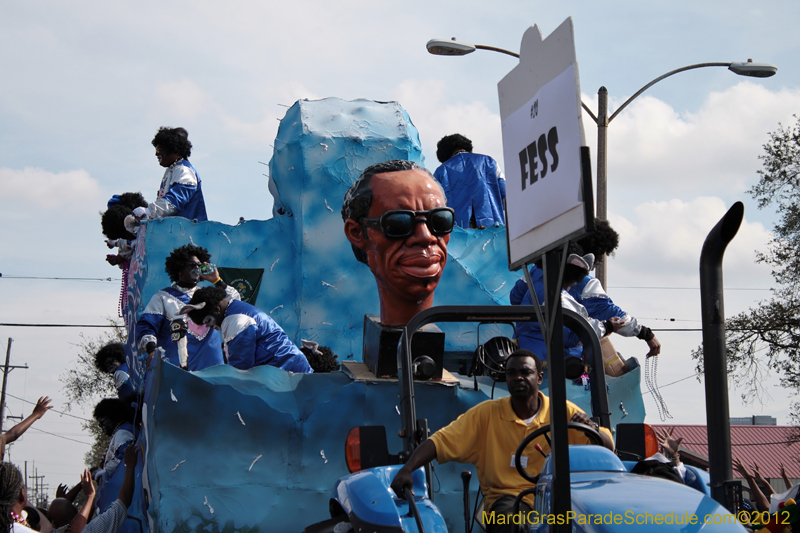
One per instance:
(747,68)
(758,70)
(443,47)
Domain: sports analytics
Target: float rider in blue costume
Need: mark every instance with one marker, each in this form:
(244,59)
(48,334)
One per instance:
(181,192)
(251,337)
(203,344)
(473,183)
(529,334)
(116,420)
(110,359)
(589,292)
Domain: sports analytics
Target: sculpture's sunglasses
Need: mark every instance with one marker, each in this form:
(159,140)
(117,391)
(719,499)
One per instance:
(399,224)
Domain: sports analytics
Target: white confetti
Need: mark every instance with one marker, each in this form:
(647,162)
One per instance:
(485,244)
(273,265)
(210,509)
(325,323)
(324,284)
(324,147)
(177,465)
(254,462)
(240,418)
(226,236)
(322,453)
(290,168)
(276,307)
(397,409)
(172,396)
(500,287)
(329,207)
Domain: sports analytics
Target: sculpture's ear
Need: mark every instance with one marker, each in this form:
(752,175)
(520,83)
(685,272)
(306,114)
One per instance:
(354,234)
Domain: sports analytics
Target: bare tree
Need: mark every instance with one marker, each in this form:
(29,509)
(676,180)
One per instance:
(85,384)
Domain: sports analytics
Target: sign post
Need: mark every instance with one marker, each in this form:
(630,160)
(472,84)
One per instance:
(548,202)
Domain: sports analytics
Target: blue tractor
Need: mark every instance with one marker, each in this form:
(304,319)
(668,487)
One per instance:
(580,488)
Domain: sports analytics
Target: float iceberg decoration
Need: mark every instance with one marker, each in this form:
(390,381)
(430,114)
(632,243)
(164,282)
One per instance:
(260,450)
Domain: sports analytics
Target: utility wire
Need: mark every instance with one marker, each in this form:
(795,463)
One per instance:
(61,436)
(744,444)
(674,382)
(2,276)
(54,410)
(19,325)
(692,288)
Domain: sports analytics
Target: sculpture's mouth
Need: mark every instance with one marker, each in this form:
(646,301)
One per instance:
(425,265)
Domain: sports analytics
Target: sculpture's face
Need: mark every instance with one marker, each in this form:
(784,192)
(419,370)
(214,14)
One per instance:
(407,269)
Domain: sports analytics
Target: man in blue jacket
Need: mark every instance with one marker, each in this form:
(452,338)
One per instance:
(473,183)
(530,335)
(203,344)
(181,192)
(251,337)
(590,293)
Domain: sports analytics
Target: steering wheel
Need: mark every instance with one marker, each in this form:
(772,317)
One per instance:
(589,431)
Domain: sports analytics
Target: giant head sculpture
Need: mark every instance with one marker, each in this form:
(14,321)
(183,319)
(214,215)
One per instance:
(398,223)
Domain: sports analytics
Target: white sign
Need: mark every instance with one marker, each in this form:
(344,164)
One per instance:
(548,192)
(541,145)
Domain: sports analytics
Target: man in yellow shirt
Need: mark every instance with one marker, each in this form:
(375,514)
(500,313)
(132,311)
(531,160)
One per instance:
(488,436)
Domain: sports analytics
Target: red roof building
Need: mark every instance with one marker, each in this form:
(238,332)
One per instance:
(766,446)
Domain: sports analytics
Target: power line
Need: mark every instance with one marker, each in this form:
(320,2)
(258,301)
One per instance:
(54,410)
(60,279)
(692,288)
(674,382)
(61,436)
(745,444)
(20,325)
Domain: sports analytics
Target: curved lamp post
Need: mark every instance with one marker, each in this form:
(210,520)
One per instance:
(742,68)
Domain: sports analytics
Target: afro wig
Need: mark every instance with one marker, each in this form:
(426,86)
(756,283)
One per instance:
(113,219)
(173,141)
(114,351)
(603,241)
(450,144)
(180,256)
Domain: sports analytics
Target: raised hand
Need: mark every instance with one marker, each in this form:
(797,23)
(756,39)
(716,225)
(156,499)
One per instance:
(42,406)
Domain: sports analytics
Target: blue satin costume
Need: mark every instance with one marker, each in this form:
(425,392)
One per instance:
(473,185)
(180,194)
(252,338)
(204,344)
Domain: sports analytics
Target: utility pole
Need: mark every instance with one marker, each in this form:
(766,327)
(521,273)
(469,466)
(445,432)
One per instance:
(37,483)
(5,380)
(6,369)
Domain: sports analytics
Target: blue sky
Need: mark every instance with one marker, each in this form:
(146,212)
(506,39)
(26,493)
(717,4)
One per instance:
(87,84)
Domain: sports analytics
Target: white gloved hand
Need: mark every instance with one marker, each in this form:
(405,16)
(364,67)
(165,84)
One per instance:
(131,224)
(141,212)
(111,243)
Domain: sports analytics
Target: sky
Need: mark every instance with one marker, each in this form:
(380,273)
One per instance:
(86,84)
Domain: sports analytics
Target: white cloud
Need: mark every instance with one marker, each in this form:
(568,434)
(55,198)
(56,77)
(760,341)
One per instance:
(183,98)
(435,117)
(652,145)
(666,237)
(263,132)
(41,188)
